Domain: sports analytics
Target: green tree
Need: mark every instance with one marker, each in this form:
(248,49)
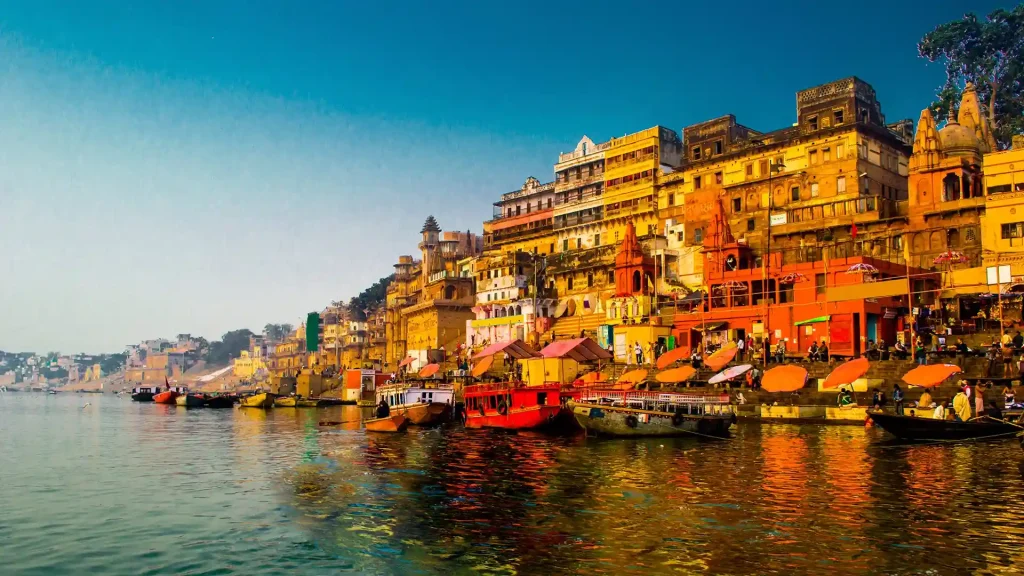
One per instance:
(228,347)
(110,363)
(988,53)
(370,298)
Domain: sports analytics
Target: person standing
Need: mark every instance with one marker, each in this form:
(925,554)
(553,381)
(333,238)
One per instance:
(940,411)
(979,399)
(638,351)
(961,407)
(1008,396)
(741,344)
(897,399)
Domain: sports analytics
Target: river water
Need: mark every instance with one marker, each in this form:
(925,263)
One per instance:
(119,487)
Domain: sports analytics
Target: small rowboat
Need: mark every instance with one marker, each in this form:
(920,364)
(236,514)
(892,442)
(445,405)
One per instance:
(394,423)
(222,401)
(263,400)
(165,397)
(917,428)
(190,400)
(294,402)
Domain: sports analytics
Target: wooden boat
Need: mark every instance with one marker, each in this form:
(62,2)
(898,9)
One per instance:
(920,428)
(306,403)
(222,401)
(190,400)
(284,402)
(512,406)
(144,393)
(423,404)
(392,423)
(262,400)
(618,413)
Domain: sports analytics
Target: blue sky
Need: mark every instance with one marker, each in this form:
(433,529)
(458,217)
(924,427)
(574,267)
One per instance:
(203,166)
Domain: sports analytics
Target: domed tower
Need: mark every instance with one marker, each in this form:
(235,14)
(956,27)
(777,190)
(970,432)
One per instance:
(428,247)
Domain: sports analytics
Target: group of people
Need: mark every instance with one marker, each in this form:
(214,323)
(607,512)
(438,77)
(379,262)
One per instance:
(959,408)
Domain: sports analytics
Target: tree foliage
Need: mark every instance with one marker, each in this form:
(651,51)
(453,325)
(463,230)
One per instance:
(988,53)
(277,332)
(370,298)
(228,347)
(110,363)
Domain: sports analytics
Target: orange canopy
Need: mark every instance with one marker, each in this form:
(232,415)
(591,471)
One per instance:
(429,370)
(671,356)
(406,361)
(721,357)
(633,376)
(681,374)
(930,375)
(482,366)
(847,372)
(785,378)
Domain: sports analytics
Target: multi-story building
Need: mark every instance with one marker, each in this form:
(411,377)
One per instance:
(376,327)
(510,300)
(429,303)
(522,220)
(289,357)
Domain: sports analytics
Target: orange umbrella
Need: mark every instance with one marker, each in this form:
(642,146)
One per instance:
(721,357)
(847,372)
(482,366)
(429,370)
(930,375)
(593,378)
(406,361)
(681,374)
(671,356)
(633,376)
(622,386)
(785,378)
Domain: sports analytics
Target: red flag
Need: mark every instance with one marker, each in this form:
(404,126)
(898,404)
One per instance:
(853,231)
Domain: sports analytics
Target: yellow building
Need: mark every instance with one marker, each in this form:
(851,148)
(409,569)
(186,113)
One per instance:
(1002,225)
(246,366)
(289,357)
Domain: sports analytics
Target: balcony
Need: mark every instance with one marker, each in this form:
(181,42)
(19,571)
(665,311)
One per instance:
(581,259)
(649,180)
(629,207)
(843,212)
(611,164)
(574,183)
(569,221)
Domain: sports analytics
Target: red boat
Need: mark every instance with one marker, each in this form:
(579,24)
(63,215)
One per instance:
(512,406)
(170,395)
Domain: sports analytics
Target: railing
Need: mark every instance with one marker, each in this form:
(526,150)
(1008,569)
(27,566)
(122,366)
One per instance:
(567,221)
(611,163)
(570,198)
(645,205)
(885,207)
(636,182)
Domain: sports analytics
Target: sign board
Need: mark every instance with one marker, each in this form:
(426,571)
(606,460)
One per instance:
(777,219)
(997,274)
(866,290)
(757,327)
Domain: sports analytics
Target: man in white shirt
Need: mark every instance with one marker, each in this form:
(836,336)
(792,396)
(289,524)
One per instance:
(740,346)
(940,411)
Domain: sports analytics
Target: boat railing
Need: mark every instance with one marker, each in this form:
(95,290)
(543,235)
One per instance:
(657,402)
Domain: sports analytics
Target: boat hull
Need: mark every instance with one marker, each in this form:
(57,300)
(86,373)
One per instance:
(263,401)
(528,418)
(393,423)
(220,402)
(914,428)
(190,401)
(168,397)
(142,396)
(620,422)
(284,402)
(425,414)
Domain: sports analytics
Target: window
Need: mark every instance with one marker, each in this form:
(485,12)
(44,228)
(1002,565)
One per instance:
(813,122)
(737,204)
(837,117)
(611,277)
(671,199)
(696,152)
(750,224)
(718,177)
(597,239)
(718,147)
(819,283)
(998,189)
(565,245)
(794,193)
(517,209)
(579,243)
(763,168)
(590,280)
(814,189)
(840,151)
(696,181)
(698,236)
(652,229)
(826,154)
(748,170)
(785,293)
(549,202)
(862,150)
(568,283)
(1013,230)
(527,207)
(841,184)
(551,249)
(814,156)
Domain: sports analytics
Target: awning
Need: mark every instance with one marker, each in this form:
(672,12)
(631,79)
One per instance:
(514,348)
(578,349)
(956,291)
(711,327)
(817,320)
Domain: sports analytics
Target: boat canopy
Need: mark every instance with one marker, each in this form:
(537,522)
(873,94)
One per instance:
(515,348)
(578,349)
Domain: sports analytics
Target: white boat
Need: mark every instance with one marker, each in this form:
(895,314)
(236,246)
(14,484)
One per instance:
(423,404)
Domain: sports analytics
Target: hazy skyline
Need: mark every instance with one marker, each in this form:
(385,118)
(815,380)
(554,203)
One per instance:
(201,167)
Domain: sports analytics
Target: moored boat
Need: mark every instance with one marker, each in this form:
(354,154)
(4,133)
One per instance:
(640,413)
(391,423)
(306,403)
(221,401)
(511,406)
(284,402)
(144,393)
(921,428)
(262,400)
(190,400)
(423,404)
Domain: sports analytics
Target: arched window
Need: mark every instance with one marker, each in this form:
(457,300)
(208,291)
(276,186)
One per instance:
(950,188)
(519,310)
(590,280)
(568,283)
(953,238)
(637,281)
(449,293)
